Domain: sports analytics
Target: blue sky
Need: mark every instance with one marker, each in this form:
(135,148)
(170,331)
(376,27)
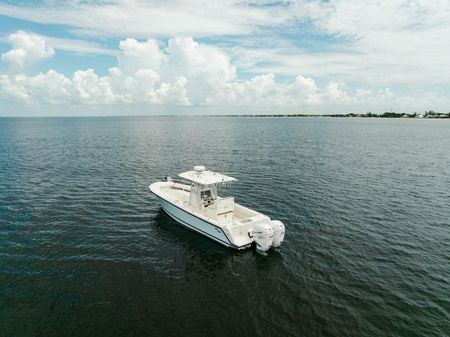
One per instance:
(302,56)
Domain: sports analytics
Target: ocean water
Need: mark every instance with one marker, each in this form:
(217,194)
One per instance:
(85,249)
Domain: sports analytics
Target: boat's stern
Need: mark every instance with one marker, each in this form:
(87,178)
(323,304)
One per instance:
(258,228)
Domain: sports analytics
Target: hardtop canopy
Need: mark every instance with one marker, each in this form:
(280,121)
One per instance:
(204,177)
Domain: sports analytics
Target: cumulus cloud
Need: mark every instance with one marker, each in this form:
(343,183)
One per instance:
(137,55)
(27,49)
(206,68)
(375,44)
(184,72)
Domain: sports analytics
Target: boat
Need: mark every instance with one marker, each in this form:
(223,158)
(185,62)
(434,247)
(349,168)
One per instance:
(193,201)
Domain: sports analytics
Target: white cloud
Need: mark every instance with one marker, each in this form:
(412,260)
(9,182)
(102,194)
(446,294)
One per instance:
(11,89)
(375,44)
(48,88)
(26,49)
(78,46)
(92,89)
(158,18)
(140,55)
(402,42)
(302,95)
(188,73)
(207,69)
(399,43)
(75,46)
(201,69)
(175,93)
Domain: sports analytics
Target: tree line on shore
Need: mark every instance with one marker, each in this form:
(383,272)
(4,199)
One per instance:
(391,114)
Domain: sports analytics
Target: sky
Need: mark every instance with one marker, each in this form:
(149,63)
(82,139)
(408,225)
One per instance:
(80,57)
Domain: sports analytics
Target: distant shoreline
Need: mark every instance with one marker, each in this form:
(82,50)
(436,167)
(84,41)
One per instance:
(428,115)
(392,115)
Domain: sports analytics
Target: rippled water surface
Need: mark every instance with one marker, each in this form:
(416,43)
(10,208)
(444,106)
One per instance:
(85,249)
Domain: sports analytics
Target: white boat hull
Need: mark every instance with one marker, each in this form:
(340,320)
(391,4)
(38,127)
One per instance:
(224,221)
(196,224)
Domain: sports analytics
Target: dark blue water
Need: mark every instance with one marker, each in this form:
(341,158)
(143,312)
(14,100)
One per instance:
(86,251)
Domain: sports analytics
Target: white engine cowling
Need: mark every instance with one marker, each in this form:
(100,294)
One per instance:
(278,233)
(263,236)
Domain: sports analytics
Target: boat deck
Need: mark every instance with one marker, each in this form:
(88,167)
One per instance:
(179,195)
(238,229)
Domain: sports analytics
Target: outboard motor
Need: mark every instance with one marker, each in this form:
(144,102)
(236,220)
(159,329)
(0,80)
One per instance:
(278,233)
(263,236)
